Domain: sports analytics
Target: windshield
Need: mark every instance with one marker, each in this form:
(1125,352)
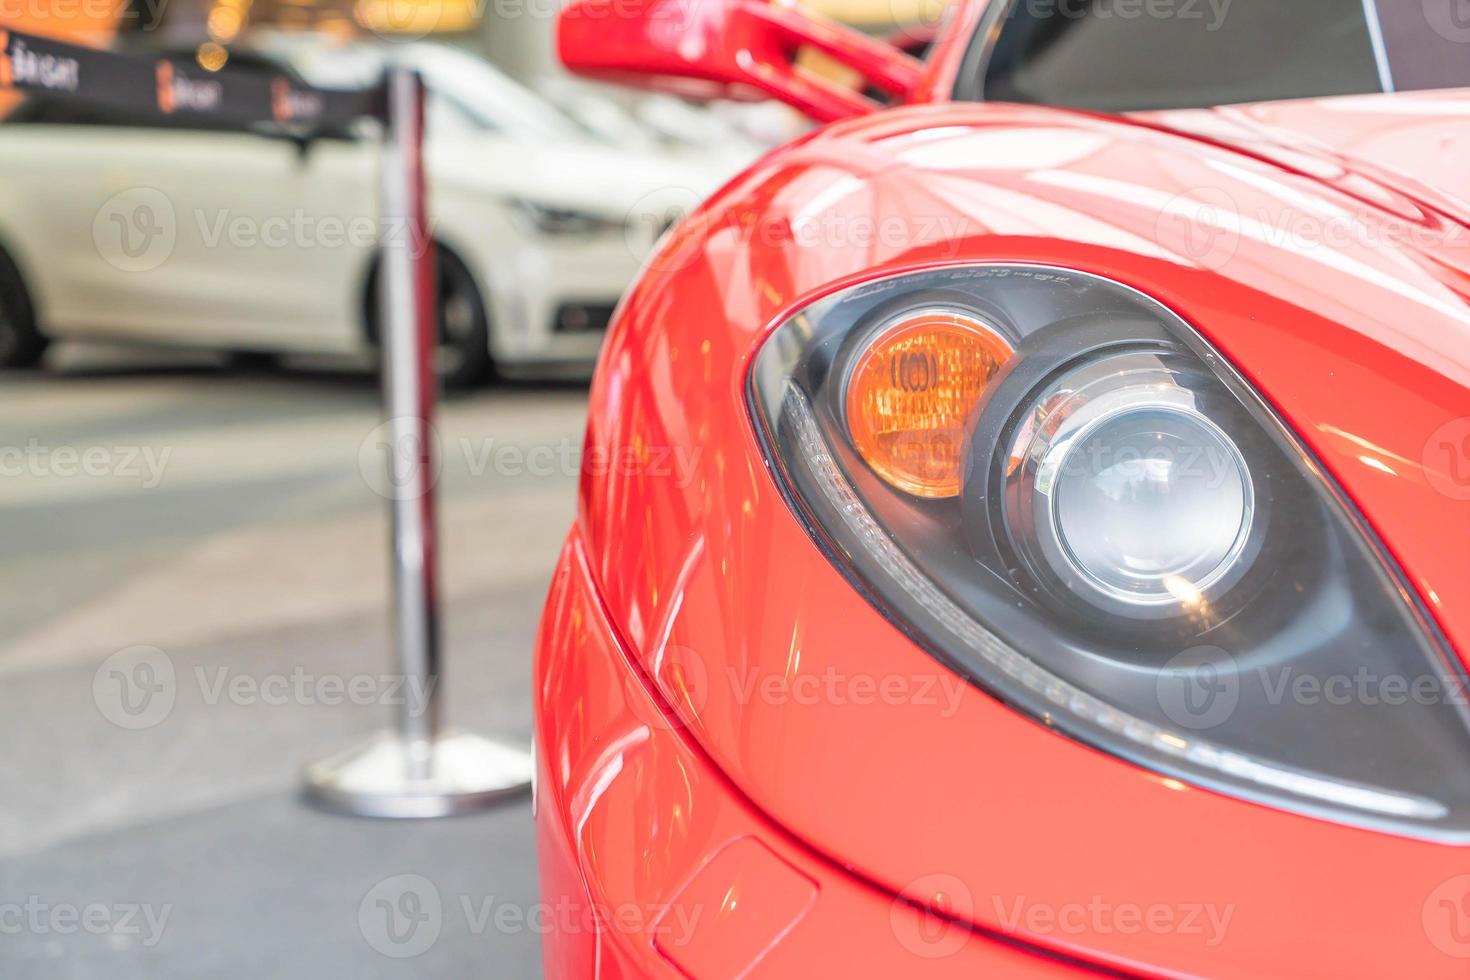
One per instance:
(1122,55)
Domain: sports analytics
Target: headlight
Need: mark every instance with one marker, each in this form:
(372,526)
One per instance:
(1121,487)
(1056,487)
(549,220)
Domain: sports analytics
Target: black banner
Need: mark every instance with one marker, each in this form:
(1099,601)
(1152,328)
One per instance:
(142,85)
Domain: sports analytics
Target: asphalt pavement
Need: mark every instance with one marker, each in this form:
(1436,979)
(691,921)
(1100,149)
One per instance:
(193,589)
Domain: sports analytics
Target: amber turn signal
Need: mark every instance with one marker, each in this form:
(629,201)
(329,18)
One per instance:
(912,393)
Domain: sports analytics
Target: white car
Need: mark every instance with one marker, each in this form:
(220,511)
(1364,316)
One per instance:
(140,230)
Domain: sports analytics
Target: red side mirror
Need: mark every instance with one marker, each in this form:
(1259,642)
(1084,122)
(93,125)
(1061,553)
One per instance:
(733,49)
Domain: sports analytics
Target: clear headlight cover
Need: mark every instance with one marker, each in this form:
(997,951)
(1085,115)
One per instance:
(1056,487)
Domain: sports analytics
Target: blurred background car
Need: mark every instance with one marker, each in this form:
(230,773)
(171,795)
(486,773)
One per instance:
(268,246)
(233,523)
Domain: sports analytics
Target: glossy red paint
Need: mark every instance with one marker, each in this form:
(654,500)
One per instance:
(729,49)
(1337,281)
(634,825)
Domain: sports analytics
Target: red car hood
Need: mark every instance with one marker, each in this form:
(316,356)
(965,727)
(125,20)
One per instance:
(1411,144)
(1319,245)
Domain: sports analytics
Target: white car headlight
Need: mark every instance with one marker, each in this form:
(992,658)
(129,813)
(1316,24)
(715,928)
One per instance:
(547,219)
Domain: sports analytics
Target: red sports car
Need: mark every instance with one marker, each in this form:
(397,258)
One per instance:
(1026,522)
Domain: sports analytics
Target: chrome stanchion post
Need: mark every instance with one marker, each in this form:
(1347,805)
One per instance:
(418,770)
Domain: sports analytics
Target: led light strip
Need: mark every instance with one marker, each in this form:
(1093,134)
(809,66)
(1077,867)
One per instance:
(1073,700)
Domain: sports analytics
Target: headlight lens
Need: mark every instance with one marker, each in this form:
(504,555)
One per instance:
(1123,487)
(911,393)
(1054,485)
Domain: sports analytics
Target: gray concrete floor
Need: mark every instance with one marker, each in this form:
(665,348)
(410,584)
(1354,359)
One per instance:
(222,534)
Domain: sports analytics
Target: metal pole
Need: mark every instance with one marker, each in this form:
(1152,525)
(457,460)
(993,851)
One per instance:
(418,770)
(404,283)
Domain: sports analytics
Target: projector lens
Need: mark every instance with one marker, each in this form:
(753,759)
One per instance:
(1132,497)
(1153,505)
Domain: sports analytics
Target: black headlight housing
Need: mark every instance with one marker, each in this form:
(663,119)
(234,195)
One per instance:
(1159,609)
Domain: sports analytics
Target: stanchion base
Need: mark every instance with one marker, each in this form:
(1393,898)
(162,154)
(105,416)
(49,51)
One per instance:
(469,773)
